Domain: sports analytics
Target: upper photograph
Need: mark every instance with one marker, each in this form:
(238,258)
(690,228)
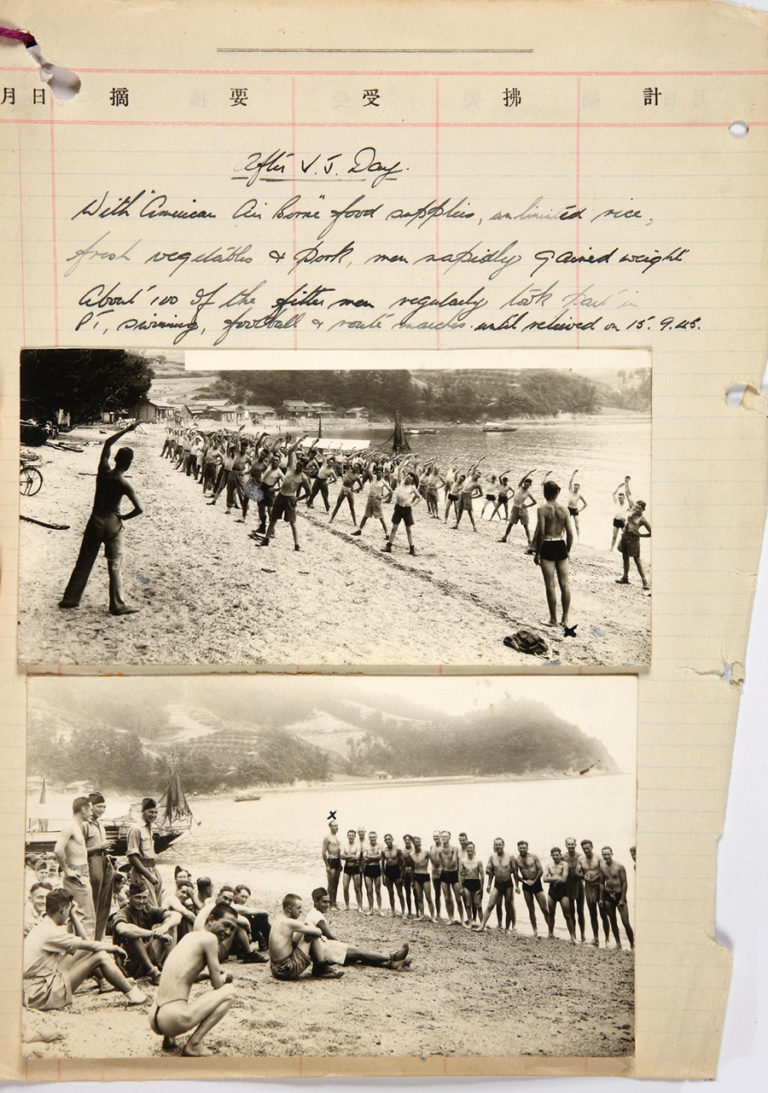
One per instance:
(490,515)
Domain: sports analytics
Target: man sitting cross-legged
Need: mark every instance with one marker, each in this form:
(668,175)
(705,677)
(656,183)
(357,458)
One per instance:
(173,1013)
(332,951)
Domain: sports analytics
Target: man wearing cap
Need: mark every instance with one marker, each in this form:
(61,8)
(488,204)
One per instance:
(100,866)
(72,856)
(141,853)
(144,931)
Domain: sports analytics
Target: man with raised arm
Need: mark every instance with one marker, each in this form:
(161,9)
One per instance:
(105,525)
(522,500)
(173,1013)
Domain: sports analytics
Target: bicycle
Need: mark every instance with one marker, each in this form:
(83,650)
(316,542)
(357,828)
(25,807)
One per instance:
(30,480)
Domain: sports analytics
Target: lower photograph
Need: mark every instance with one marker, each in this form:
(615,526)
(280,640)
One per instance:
(329,867)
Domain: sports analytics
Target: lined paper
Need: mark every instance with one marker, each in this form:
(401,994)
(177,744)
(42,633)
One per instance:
(581,136)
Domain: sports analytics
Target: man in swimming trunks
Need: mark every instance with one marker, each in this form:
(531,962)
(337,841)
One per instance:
(434,858)
(470,489)
(324,476)
(405,496)
(622,498)
(392,860)
(503,878)
(575,884)
(294,946)
(332,858)
(551,550)
(556,876)
(630,543)
(576,502)
(407,875)
(173,1013)
(145,933)
(350,485)
(471,879)
(449,878)
(57,959)
(614,895)
(72,856)
(422,885)
(590,868)
(350,856)
(522,500)
(333,951)
(531,871)
(371,862)
(105,526)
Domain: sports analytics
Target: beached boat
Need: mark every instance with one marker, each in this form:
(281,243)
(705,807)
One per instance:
(174,820)
(499,427)
(247,795)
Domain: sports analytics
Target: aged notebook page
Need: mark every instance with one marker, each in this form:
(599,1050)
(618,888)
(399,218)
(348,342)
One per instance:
(611,109)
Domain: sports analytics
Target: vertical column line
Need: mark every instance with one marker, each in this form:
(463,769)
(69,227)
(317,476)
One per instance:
(54,252)
(437,202)
(21,243)
(578,200)
(293,195)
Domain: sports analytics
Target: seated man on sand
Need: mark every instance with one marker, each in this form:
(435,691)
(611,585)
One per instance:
(333,951)
(56,960)
(173,1013)
(257,920)
(238,943)
(34,908)
(294,946)
(145,933)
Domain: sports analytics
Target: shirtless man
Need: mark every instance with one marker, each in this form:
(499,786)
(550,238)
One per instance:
(72,856)
(592,873)
(332,858)
(615,895)
(470,489)
(271,478)
(285,502)
(422,885)
(621,499)
(392,860)
(556,876)
(293,945)
(405,496)
(333,951)
(471,878)
(324,477)
(377,487)
(173,1013)
(576,502)
(350,856)
(371,862)
(350,485)
(630,543)
(434,858)
(449,878)
(522,500)
(502,874)
(407,875)
(105,525)
(551,551)
(531,871)
(575,884)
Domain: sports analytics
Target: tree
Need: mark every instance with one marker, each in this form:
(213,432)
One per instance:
(82,381)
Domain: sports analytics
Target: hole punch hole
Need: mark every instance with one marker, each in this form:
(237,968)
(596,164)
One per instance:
(735,394)
(738,129)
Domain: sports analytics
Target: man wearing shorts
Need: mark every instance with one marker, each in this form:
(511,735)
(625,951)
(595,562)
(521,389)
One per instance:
(332,857)
(406,495)
(294,946)
(575,883)
(371,862)
(471,878)
(373,510)
(531,871)
(449,878)
(333,951)
(392,860)
(551,550)
(556,876)
(590,869)
(614,898)
(522,500)
(502,877)
(435,864)
(629,544)
(285,502)
(422,884)
(350,856)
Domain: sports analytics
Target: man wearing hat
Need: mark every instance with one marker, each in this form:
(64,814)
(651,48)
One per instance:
(100,865)
(144,931)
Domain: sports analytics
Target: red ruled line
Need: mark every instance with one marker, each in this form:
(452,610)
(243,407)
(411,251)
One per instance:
(382,124)
(408,72)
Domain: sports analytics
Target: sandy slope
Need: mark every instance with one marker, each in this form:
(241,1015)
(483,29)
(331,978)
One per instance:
(209,595)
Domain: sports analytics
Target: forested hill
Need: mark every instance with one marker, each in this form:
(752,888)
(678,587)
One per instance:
(461,395)
(515,737)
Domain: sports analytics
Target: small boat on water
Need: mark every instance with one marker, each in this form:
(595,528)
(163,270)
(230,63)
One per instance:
(247,796)
(421,432)
(499,427)
(174,819)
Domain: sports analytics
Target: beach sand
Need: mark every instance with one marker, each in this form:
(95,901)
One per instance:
(209,595)
(466,994)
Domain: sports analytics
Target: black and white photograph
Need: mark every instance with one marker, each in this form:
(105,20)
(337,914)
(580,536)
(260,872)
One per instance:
(372,867)
(472,516)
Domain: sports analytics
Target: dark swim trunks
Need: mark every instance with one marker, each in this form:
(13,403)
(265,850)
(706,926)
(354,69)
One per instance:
(351,868)
(449,876)
(534,887)
(334,863)
(554,550)
(404,513)
(501,885)
(612,897)
(557,890)
(372,869)
(618,522)
(422,878)
(392,872)
(472,884)
(573,511)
